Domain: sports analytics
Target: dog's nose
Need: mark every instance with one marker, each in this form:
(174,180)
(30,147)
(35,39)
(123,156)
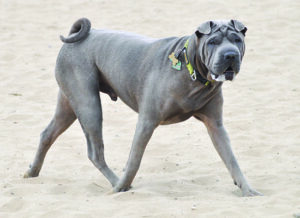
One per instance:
(230,55)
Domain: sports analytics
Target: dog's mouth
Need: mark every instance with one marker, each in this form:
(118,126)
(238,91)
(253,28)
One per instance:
(228,74)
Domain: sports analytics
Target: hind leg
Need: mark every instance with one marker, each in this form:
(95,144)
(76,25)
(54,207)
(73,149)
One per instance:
(90,118)
(63,118)
(83,93)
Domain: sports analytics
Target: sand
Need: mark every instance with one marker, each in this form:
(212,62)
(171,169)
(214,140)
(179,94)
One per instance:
(181,174)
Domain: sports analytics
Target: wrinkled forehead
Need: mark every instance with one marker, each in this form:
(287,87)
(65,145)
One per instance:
(223,26)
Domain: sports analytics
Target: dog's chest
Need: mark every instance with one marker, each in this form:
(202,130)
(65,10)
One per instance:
(185,104)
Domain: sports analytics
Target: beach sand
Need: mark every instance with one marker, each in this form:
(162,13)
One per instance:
(181,173)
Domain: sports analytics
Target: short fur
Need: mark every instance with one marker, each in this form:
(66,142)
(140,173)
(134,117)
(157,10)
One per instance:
(137,70)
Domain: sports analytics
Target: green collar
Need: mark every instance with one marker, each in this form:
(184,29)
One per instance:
(193,73)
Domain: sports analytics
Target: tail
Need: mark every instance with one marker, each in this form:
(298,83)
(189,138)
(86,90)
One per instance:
(79,31)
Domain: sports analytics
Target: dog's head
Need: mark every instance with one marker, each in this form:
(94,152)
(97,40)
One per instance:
(221,48)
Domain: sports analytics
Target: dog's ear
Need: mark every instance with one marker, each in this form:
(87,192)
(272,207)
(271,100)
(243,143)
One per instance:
(239,26)
(204,28)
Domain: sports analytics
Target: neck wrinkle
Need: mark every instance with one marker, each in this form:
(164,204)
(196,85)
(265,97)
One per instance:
(200,66)
(194,56)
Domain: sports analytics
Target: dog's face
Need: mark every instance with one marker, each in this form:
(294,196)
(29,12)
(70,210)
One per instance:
(221,48)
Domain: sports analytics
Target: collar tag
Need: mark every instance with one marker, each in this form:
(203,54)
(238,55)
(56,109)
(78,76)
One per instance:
(176,64)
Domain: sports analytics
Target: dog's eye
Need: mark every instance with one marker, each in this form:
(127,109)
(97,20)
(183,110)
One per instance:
(238,40)
(212,42)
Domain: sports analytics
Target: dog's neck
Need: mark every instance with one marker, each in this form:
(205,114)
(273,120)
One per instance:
(194,56)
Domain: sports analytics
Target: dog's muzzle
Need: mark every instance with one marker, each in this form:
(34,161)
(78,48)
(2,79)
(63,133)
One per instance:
(228,74)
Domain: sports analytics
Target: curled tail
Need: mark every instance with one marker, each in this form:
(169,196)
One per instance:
(79,31)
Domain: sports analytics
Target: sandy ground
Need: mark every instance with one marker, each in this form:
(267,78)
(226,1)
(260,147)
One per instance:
(181,174)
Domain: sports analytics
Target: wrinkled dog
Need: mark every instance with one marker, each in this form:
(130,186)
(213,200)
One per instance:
(165,80)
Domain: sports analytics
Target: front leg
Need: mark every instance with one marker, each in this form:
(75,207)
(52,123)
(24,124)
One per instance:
(221,142)
(211,115)
(143,133)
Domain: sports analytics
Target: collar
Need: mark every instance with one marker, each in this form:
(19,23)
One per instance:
(195,75)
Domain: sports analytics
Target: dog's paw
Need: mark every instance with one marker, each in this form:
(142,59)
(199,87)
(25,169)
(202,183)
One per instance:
(31,173)
(27,174)
(121,188)
(251,193)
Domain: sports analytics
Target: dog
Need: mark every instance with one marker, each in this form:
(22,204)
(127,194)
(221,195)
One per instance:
(165,81)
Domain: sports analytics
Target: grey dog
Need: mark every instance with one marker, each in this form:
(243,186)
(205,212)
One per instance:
(165,80)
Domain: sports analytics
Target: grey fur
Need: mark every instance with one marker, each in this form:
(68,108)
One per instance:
(137,69)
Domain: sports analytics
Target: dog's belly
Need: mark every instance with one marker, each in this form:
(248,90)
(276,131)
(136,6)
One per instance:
(175,119)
